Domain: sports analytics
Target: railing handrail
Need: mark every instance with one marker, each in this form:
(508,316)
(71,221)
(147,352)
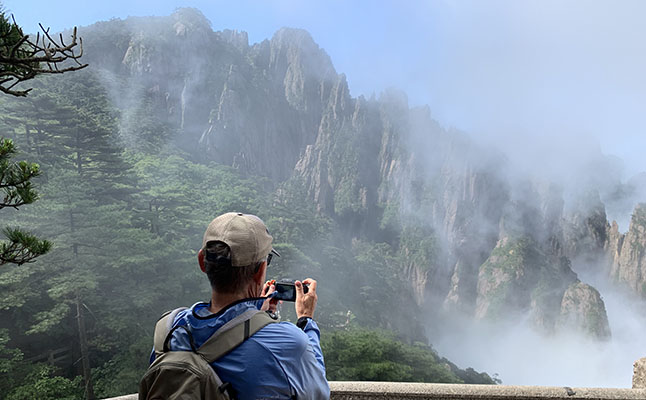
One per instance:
(405,390)
(444,391)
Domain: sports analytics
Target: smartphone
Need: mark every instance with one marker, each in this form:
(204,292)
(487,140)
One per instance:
(287,291)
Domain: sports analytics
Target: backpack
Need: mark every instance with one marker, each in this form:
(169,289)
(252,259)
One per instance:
(179,375)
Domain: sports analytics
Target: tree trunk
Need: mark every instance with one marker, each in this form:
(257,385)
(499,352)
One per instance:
(75,246)
(87,376)
(37,137)
(28,135)
(79,162)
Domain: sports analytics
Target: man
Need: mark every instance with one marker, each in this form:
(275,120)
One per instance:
(281,360)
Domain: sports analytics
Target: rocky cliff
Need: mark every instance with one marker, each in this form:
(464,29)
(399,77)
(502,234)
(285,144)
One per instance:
(253,107)
(469,238)
(582,308)
(601,249)
(627,254)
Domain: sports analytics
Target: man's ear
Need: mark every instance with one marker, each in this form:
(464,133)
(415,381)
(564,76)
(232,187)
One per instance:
(200,260)
(259,276)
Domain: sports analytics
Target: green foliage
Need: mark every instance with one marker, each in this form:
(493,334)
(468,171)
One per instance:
(638,222)
(510,257)
(11,47)
(505,271)
(141,128)
(347,196)
(390,218)
(22,247)
(15,182)
(15,178)
(8,356)
(639,215)
(352,161)
(595,319)
(22,58)
(294,218)
(471,376)
(371,277)
(41,384)
(418,246)
(519,274)
(369,355)
(121,374)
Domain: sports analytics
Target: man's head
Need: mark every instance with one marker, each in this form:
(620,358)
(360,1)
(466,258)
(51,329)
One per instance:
(234,252)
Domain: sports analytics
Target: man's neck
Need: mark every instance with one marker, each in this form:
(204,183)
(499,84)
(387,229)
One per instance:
(220,301)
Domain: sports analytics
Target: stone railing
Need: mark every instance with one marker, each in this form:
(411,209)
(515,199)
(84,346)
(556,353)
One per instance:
(406,391)
(417,391)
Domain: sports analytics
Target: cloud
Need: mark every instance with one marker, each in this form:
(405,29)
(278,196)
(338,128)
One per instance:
(520,356)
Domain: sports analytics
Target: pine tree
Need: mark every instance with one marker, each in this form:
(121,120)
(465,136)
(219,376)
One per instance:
(102,262)
(22,59)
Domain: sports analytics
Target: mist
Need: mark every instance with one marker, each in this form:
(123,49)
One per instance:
(519,355)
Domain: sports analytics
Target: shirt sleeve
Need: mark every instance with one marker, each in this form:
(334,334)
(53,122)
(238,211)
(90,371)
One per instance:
(299,354)
(313,333)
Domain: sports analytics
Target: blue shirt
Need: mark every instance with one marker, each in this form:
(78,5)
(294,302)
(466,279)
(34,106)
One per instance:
(280,361)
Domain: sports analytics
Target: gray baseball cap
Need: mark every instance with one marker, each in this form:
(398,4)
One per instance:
(245,234)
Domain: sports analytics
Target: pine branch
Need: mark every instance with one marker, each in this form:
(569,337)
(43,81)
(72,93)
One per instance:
(22,247)
(22,59)
(15,178)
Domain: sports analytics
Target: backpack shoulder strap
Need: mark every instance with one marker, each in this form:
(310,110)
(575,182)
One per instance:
(163,327)
(233,333)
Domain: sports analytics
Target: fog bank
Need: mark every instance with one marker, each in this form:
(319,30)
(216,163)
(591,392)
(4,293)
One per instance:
(521,356)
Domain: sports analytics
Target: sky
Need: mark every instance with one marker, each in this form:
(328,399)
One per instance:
(536,77)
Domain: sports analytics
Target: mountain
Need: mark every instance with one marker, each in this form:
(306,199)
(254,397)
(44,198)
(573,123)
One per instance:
(469,238)
(627,253)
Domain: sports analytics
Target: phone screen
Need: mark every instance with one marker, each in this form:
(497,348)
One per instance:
(286,291)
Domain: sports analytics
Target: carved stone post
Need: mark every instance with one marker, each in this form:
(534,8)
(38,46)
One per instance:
(639,374)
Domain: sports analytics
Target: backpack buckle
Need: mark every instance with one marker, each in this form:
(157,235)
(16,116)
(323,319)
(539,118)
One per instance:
(228,389)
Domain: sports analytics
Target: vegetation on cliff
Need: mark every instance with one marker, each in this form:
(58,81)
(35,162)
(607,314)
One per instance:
(376,355)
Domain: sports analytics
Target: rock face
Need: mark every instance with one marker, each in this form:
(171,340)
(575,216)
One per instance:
(587,231)
(629,255)
(506,279)
(582,309)
(469,240)
(528,273)
(639,374)
(253,107)
(601,248)
(521,279)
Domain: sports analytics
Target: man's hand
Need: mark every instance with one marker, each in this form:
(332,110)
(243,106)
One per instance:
(305,302)
(269,304)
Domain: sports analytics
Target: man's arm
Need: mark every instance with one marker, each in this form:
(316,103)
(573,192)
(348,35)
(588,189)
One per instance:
(293,353)
(305,305)
(311,329)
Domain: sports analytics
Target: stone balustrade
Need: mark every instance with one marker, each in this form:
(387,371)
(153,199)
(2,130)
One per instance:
(439,391)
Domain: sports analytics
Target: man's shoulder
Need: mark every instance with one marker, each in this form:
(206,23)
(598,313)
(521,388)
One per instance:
(281,337)
(284,329)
